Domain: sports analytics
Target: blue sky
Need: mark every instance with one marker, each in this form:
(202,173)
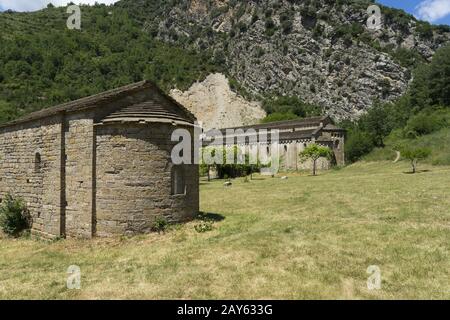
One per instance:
(434,11)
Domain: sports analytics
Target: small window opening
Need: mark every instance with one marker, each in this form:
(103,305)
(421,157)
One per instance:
(178,181)
(37,162)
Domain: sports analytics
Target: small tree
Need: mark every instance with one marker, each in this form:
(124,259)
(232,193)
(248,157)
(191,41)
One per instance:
(414,154)
(314,152)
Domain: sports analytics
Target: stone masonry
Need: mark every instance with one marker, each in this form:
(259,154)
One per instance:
(100,165)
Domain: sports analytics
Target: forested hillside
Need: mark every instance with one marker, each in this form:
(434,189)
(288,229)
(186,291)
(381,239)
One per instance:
(42,63)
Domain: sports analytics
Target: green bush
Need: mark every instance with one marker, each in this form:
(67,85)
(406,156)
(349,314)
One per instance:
(423,124)
(14,216)
(358,144)
(279,116)
(203,226)
(160,224)
(291,105)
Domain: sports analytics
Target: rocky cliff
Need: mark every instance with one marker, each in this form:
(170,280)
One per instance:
(216,106)
(320,51)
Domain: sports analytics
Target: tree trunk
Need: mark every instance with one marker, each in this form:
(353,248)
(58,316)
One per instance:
(314,167)
(209,175)
(414,165)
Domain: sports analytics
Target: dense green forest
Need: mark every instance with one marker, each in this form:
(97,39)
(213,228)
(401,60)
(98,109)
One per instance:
(42,63)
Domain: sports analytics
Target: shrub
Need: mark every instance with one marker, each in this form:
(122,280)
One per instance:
(203,226)
(14,216)
(423,124)
(291,105)
(279,116)
(160,224)
(270,27)
(358,144)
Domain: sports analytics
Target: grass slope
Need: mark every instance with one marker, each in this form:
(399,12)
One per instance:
(437,142)
(305,237)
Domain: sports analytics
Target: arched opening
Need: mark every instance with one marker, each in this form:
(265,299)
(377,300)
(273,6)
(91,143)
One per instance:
(178,181)
(337,144)
(37,162)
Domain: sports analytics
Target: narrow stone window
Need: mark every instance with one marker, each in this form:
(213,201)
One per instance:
(337,145)
(178,181)
(37,162)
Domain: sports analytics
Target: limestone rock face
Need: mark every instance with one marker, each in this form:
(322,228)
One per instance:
(216,105)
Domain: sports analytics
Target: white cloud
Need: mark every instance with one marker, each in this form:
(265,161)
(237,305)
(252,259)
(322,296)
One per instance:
(432,10)
(33,5)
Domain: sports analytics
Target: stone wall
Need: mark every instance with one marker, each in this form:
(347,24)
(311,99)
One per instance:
(289,156)
(79,150)
(338,146)
(134,183)
(38,183)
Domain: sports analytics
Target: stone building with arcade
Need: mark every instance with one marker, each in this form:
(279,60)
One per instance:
(293,137)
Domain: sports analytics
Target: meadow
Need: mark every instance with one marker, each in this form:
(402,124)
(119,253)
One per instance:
(303,237)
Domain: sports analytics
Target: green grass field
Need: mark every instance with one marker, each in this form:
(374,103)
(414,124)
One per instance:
(437,142)
(305,237)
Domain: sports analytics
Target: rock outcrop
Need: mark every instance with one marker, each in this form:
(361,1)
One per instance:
(216,105)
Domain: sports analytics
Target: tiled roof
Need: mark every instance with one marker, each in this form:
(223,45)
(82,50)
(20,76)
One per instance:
(149,111)
(306,122)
